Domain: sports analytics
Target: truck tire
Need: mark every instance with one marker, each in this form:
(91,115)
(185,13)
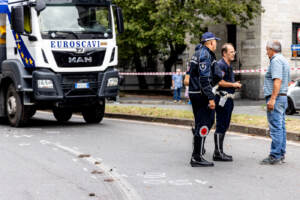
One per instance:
(94,114)
(17,113)
(62,115)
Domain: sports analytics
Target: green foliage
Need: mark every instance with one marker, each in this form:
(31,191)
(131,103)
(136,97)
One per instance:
(160,25)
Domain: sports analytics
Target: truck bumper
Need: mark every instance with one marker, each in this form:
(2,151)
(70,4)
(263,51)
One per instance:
(49,86)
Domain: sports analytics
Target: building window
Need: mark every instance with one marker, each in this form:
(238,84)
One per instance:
(296,38)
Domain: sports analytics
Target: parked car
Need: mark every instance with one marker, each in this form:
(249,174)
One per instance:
(293,97)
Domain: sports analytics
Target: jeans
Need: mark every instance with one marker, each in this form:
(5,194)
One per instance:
(276,120)
(177,94)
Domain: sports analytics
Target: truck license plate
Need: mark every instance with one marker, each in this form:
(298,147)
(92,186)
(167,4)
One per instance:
(82,85)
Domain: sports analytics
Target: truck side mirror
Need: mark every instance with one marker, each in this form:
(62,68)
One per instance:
(40,5)
(17,19)
(120,21)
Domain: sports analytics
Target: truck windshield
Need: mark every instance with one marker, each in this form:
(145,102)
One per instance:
(75,22)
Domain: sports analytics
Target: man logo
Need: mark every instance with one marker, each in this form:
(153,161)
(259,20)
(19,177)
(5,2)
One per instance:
(80,60)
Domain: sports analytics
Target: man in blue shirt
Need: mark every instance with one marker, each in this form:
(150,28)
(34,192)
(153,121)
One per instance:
(204,74)
(224,101)
(177,85)
(276,83)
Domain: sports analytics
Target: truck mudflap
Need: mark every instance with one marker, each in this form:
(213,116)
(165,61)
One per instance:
(48,86)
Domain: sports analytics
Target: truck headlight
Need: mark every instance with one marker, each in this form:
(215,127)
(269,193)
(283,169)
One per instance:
(45,84)
(112,82)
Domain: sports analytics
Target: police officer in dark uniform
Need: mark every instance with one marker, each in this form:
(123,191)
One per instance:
(204,74)
(224,101)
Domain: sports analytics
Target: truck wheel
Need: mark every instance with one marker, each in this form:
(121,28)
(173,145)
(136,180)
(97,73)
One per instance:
(290,109)
(94,114)
(62,115)
(17,113)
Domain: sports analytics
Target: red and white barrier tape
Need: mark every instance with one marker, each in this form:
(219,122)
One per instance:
(243,71)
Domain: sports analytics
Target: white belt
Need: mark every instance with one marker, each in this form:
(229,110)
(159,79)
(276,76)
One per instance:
(195,92)
(227,95)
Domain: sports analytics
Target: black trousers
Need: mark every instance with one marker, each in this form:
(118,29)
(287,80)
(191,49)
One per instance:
(203,115)
(223,115)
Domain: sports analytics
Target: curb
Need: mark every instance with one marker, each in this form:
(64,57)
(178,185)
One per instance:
(149,102)
(251,130)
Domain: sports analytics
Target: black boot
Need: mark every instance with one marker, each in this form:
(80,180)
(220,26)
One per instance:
(203,149)
(197,159)
(219,155)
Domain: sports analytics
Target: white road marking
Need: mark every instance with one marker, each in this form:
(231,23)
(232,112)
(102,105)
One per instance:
(21,136)
(44,142)
(200,181)
(24,144)
(180,182)
(85,169)
(94,177)
(155,182)
(152,175)
(99,160)
(127,190)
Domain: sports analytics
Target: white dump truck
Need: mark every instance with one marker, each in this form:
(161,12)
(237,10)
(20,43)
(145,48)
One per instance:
(58,55)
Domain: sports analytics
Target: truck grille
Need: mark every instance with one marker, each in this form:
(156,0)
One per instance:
(71,59)
(68,82)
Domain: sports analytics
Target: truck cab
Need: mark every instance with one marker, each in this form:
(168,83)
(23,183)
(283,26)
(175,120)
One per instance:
(59,55)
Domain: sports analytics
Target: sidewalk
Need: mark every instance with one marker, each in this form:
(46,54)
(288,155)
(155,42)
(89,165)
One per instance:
(242,106)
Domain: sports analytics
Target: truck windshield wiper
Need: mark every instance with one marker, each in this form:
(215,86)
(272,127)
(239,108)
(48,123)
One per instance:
(92,32)
(68,32)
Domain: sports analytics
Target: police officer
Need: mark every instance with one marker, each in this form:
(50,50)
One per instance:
(204,74)
(224,101)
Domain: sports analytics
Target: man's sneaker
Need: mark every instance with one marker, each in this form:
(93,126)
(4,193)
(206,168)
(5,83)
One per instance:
(282,159)
(270,160)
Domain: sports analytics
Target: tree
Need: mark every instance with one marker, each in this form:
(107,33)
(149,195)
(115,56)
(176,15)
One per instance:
(159,27)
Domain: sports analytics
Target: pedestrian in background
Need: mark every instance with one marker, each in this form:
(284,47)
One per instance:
(177,80)
(275,93)
(186,83)
(204,74)
(224,101)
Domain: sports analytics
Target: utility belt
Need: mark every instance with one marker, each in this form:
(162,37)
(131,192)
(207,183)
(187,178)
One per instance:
(223,95)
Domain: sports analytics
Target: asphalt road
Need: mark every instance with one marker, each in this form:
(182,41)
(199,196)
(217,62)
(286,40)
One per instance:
(121,159)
